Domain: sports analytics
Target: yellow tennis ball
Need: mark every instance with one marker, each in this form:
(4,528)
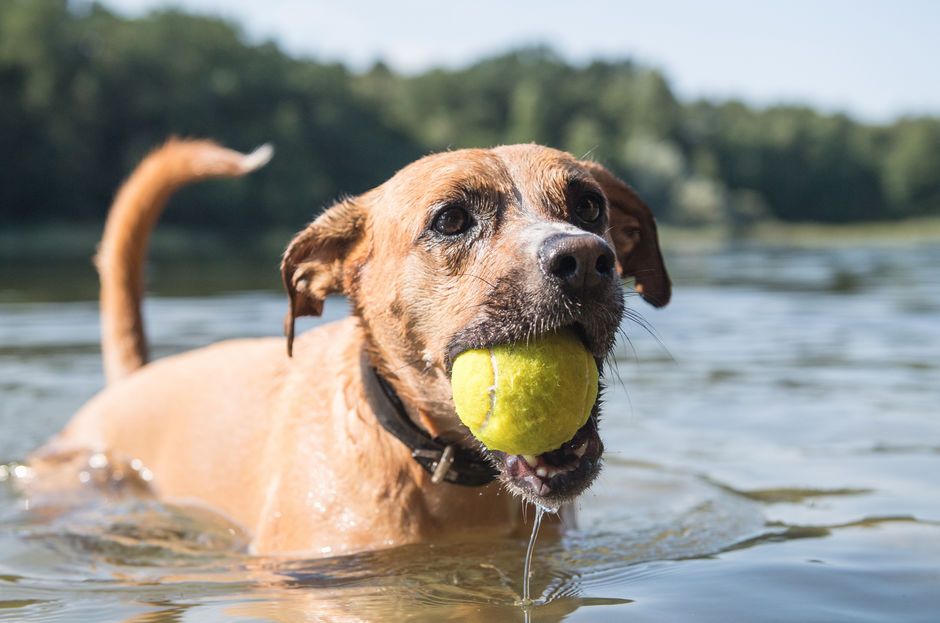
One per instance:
(526,398)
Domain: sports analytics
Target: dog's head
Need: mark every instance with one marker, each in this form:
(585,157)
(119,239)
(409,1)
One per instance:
(472,248)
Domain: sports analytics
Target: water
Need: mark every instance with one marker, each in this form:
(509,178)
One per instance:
(773,454)
(526,601)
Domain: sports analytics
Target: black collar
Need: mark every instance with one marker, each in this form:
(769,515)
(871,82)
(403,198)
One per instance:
(444,461)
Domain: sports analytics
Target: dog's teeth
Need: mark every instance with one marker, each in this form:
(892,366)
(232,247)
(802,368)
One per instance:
(580,450)
(545,490)
(531,459)
(541,472)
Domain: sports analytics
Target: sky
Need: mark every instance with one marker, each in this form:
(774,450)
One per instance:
(875,60)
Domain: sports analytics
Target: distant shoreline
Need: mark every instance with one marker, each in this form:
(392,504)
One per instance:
(804,235)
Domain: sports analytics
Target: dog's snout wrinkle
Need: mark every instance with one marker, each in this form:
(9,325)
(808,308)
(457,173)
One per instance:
(578,262)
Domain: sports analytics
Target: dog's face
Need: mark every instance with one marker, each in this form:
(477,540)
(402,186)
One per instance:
(473,248)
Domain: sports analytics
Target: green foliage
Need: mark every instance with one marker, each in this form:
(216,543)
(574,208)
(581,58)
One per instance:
(85,93)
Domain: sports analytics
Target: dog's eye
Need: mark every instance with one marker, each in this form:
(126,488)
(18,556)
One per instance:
(589,207)
(451,221)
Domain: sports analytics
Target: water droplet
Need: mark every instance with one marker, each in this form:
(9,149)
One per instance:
(97,461)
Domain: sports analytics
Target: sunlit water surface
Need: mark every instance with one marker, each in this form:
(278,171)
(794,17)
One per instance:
(773,454)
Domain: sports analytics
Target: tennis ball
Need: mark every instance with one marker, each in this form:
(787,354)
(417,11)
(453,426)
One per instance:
(526,398)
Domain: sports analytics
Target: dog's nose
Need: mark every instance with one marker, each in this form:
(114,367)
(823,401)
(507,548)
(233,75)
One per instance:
(578,261)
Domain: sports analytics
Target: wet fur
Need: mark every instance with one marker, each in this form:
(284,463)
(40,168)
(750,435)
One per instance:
(289,447)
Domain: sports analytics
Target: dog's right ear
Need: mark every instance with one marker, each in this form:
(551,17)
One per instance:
(314,262)
(633,231)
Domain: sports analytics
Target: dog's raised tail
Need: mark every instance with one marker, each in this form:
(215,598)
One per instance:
(123,248)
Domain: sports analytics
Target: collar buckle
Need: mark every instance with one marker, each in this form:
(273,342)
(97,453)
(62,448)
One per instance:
(437,462)
(442,467)
(446,462)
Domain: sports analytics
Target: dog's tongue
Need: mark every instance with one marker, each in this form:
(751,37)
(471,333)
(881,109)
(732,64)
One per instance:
(557,475)
(538,470)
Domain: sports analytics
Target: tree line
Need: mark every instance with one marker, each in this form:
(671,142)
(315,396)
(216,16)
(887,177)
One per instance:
(84,93)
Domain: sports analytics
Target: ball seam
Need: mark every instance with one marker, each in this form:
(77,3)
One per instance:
(492,391)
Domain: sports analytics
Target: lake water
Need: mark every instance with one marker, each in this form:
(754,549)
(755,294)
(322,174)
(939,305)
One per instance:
(773,455)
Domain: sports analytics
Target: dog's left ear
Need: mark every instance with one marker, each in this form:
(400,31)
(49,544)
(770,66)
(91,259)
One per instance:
(633,230)
(314,263)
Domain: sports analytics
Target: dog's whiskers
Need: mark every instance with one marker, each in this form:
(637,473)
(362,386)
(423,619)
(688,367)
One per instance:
(475,277)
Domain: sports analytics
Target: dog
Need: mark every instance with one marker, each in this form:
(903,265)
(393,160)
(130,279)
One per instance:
(347,439)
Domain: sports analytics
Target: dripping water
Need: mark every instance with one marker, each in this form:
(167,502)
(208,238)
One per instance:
(526,600)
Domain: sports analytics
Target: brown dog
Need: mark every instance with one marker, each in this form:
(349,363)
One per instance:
(353,442)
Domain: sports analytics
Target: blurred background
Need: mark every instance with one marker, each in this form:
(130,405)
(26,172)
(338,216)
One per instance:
(773,435)
(740,119)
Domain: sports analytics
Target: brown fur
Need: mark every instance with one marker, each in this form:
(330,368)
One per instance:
(290,447)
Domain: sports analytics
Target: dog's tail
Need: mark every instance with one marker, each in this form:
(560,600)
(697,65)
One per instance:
(123,248)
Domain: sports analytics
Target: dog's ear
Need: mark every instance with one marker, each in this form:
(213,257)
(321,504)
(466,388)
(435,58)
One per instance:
(633,230)
(314,262)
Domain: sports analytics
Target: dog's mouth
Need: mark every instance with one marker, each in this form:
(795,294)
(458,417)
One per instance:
(552,478)
(473,339)
(513,312)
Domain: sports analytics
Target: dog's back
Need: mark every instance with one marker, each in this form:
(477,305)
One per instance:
(171,417)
